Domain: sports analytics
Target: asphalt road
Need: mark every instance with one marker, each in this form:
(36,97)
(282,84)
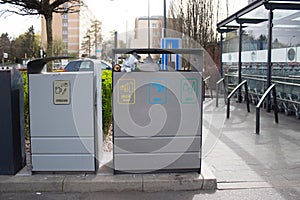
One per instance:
(290,193)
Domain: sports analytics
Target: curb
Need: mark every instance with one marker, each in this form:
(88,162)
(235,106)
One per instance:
(109,183)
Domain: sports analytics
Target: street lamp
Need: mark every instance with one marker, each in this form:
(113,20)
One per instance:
(165,19)
(148,24)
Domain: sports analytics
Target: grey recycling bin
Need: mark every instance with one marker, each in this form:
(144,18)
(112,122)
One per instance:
(63,124)
(157,118)
(12,137)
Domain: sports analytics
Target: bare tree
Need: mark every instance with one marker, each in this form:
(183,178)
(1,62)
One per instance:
(46,8)
(86,43)
(196,19)
(92,39)
(96,30)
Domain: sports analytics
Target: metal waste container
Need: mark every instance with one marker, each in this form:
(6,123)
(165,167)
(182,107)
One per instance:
(63,123)
(157,118)
(12,136)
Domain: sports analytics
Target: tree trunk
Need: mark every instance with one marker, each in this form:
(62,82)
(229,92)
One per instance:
(49,51)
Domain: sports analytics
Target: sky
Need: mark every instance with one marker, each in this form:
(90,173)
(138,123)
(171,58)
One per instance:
(114,15)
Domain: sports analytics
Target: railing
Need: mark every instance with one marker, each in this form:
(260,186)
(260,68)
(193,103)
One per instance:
(217,91)
(271,88)
(244,83)
(207,79)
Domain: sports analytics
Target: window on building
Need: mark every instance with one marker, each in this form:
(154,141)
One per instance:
(155,42)
(155,33)
(65,24)
(65,32)
(154,25)
(65,16)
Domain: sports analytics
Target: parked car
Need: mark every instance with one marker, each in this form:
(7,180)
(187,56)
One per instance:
(86,65)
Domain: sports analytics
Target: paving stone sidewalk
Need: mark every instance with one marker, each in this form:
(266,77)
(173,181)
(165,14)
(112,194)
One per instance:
(241,159)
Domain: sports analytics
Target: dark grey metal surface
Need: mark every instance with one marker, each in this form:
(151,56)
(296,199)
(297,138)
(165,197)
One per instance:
(269,5)
(36,66)
(241,12)
(12,138)
(154,130)
(197,51)
(269,61)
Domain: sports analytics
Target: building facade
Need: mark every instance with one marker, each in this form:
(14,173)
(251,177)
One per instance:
(141,32)
(69,30)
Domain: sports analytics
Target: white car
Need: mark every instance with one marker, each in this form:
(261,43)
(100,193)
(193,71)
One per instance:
(86,65)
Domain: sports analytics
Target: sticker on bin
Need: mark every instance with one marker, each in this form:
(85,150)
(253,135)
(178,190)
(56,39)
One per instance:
(126,91)
(189,91)
(61,92)
(157,91)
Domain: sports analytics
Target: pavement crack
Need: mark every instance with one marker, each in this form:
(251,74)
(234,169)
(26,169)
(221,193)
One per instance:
(143,183)
(202,182)
(63,184)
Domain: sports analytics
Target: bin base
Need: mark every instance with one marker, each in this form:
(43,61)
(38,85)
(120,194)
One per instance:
(161,171)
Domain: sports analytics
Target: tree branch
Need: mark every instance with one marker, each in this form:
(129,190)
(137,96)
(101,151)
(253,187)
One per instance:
(73,7)
(3,12)
(25,7)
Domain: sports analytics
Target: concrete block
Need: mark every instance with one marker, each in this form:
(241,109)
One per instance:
(172,182)
(209,179)
(37,183)
(94,183)
(243,185)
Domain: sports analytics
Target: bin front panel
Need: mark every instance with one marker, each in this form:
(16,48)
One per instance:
(157,115)
(62,123)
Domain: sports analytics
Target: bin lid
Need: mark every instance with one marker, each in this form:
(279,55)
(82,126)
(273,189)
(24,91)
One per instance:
(36,66)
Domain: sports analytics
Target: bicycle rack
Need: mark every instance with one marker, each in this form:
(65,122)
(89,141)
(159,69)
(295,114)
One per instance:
(271,88)
(244,83)
(217,91)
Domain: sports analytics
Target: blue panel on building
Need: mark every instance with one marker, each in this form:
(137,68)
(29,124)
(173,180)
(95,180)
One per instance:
(171,43)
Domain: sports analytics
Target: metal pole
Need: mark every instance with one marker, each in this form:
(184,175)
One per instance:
(247,97)
(210,89)
(115,58)
(203,90)
(217,91)
(116,39)
(228,108)
(275,105)
(221,52)
(269,61)
(257,120)
(240,62)
(165,19)
(217,95)
(148,24)
(221,67)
